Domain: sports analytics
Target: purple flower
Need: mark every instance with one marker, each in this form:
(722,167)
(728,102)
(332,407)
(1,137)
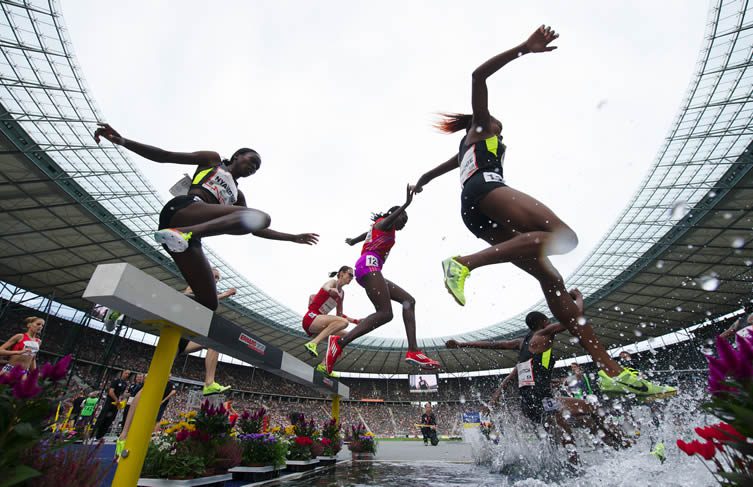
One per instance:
(27,387)
(57,371)
(13,376)
(745,347)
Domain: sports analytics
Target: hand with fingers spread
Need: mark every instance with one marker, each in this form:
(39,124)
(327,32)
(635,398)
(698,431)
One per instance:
(540,39)
(109,133)
(306,238)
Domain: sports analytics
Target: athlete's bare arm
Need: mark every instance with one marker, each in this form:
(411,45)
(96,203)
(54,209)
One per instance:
(358,239)
(391,219)
(444,168)
(198,158)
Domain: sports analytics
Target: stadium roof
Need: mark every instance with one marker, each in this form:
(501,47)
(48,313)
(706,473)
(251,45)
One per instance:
(68,204)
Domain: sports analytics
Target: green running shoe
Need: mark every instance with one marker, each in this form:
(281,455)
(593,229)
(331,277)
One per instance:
(628,382)
(659,452)
(174,240)
(119,446)
(322,369)
(214,388)
(455,275)
(311,348)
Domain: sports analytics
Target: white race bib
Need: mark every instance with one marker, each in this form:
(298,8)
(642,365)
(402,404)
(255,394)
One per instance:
(31,346)
(468,165)
(372,261)
(550,404)
(525,374)
(746,332)
(493,177)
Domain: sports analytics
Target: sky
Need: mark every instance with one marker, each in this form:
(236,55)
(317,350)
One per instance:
(338,97)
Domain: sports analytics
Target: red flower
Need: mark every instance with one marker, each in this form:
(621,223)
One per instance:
(706,450)
(303,441)
(326,441)
(181,435)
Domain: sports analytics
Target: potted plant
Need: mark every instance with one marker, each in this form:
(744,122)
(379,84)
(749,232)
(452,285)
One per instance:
(300,455)
(30,452)
(330,442)
(362,443)
(727,444)
(198,447)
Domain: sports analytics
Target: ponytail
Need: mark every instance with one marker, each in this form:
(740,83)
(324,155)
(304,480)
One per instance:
(377,216)
(453,122)
(342,269)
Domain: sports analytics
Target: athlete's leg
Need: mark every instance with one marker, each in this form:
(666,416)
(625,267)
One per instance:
(197,272)
(206,220)
(210,366)
(581,411)
(378,292)
(326,325)
(129,416)
(535,229)
(563,308)
(559,301)
(409,312)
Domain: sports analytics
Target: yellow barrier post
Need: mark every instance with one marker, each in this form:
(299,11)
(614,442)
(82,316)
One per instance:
(145,415)
(336,407)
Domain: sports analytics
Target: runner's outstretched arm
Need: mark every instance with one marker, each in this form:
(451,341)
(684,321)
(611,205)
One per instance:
(358,239)
(203,158)
(391,219)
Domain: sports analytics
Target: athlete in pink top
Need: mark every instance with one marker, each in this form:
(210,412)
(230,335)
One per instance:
(317,322)
(377,244)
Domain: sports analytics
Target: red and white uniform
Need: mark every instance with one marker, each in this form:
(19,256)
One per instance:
(321,304)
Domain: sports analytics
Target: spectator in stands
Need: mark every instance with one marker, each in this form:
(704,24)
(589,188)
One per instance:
(112,404)
(577,383)
(133,389)
(22,348)
(743,326)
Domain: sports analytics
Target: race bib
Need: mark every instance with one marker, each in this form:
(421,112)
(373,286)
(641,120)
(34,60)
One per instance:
(550,405)
(312,315)
(372,261)
(493,177)
(746,332)
(31,346)
(525,374)
(468,165)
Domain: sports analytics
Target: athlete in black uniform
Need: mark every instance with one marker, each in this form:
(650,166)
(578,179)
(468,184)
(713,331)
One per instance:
(213,206)
(534,373)
(518,228)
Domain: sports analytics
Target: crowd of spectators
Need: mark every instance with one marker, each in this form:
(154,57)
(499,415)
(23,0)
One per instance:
(385,405)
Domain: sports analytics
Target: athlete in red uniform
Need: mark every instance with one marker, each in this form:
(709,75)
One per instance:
(317,321)
(22,348)
(377,245)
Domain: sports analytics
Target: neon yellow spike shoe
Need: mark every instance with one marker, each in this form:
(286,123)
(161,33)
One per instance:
(214,388)
(311,348)
(119,446)
(629,382)
(659,452)
(174,240)
(322,369)
(455,275)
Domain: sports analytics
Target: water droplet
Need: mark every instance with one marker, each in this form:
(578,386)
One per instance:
(678,309)
(749,262)
(679,209)
(727,216)
(638,333)
(558,293)
(582,320)
(479,129)
(709,282)
(712,194)
(738,242)
(659,264)
(616,308)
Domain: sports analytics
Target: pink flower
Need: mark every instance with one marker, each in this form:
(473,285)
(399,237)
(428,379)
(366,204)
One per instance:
(27,387)
(181,435)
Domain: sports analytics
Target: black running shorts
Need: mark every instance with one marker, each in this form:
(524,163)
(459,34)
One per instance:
(474,190)
(171,208)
